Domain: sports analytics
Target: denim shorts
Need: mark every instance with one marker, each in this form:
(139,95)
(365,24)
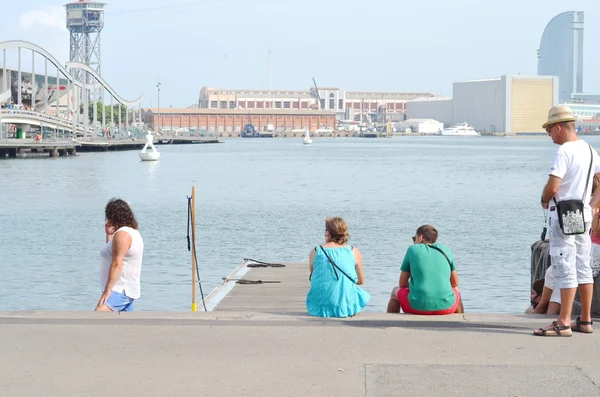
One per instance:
(119,302)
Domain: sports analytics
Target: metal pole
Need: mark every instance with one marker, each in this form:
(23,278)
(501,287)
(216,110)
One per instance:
(4,77)
(33,82)
(158,122)
(19,79)
(112,112)
(76,94)
(86,108)
(103,112)
(68,99)
(126,119)
(57,91)
(95,108)
(193,219)
(47,89)
(119,110)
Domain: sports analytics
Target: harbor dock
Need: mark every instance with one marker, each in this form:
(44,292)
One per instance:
(128,144)
(269,287)
(226,353)
(55,148)
(257,340)
(184,140)
(62,147)
(110,145)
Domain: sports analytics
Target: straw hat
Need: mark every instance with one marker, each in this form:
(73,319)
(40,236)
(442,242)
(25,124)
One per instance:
(559,114)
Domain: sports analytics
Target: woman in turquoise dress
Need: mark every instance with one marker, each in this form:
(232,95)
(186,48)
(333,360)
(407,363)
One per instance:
(336,271)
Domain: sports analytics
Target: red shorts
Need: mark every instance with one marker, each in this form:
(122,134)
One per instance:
(405,304)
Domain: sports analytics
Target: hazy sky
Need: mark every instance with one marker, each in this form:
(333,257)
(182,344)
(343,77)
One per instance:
(379,45)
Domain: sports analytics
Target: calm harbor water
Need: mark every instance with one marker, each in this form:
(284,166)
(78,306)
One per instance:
(267,200)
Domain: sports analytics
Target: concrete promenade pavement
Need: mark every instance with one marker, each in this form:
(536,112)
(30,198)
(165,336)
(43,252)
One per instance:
(290,354)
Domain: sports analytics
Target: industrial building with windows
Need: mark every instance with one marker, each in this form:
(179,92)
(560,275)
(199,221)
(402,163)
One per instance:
(347,105)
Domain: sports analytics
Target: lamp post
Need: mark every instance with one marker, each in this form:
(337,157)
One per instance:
(158,123)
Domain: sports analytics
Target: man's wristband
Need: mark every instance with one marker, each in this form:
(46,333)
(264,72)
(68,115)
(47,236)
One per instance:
(544,202)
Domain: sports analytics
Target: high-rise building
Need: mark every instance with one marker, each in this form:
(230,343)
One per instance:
(561,52)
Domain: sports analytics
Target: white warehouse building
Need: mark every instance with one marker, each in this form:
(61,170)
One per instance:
(437,108)
(508,104)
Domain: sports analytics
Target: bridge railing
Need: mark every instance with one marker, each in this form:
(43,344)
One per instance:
(34,114)
(78,129)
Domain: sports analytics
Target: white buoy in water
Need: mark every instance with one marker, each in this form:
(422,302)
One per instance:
(307,140)
(151,155)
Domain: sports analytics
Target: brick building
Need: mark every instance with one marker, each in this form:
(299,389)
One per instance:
(232,121)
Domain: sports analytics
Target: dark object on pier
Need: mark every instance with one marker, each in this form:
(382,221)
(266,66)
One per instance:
(540,261)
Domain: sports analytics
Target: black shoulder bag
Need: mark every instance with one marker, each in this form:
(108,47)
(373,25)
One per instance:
(443,253)
(334,266)
(570,212)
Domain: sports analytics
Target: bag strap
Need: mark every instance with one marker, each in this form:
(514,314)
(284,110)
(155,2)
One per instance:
(443,253)
(587,181)
(336,267)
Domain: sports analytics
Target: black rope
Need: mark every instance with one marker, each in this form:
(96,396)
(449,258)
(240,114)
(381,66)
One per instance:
(246,281)
(261,263)
(193,245)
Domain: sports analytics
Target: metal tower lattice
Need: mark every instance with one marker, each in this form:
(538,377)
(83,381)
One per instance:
(85,20)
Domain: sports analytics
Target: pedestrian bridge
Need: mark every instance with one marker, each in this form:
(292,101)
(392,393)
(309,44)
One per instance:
(28,117)
(57,100)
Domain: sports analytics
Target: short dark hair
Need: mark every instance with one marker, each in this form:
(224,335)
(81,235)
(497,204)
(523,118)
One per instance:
(119,213)
(429,233)
(538,286)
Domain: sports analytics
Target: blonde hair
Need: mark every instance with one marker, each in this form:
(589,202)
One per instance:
(337,229)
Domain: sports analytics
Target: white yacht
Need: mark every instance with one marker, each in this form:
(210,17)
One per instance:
(460,129)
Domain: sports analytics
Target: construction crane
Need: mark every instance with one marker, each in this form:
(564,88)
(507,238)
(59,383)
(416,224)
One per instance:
(317,92)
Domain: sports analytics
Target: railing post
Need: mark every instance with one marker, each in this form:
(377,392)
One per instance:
(94,108)
(112,113)
(57,91)
(4,77)
(47,89)
(103,113)
(33,81)
(19,86)
(120,125)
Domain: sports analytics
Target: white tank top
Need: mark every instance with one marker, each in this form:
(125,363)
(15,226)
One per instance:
(129,279)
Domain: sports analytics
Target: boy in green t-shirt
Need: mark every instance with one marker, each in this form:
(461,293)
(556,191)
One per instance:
(428,278)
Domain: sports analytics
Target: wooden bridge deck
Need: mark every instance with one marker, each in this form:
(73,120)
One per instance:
(286,294)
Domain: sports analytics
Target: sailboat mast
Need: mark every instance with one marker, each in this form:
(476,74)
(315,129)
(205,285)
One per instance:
(270,72)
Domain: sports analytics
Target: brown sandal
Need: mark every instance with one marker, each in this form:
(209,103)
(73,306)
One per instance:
(579,323)
(557,330)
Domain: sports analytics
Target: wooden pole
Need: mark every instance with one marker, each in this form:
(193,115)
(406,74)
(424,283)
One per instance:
(193,248)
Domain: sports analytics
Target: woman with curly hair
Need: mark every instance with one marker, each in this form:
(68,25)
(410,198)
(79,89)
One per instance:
(336,271)
(121,263)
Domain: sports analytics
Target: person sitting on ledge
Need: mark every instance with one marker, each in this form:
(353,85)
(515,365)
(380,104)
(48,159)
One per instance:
(537,290)
(336,271)
(428,278)
(549,302)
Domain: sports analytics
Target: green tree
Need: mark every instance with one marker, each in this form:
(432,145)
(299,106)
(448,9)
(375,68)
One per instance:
(108,111)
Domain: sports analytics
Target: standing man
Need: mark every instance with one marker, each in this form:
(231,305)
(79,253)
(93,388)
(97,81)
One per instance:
(573,167)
